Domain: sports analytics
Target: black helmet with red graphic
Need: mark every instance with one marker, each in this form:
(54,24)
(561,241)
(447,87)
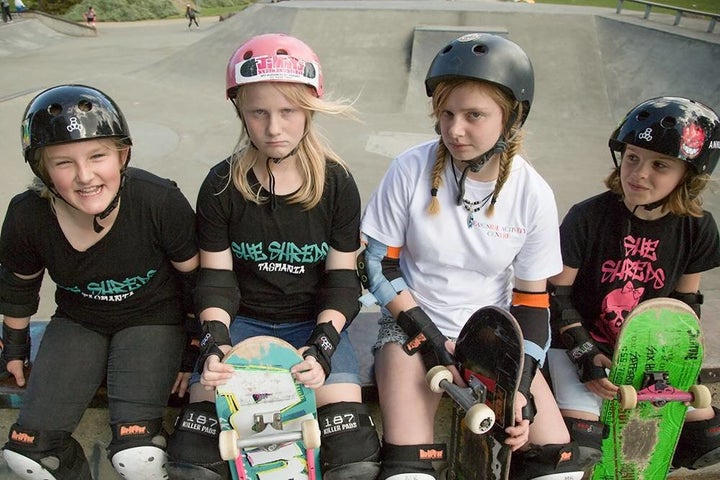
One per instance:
(673,126)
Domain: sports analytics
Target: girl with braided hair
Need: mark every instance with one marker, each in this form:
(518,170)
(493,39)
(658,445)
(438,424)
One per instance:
(499,244)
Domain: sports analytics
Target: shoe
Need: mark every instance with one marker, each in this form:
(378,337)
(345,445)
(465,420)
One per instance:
(699,444)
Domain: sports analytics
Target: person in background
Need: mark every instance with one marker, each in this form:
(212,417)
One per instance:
(191,15)
(90,16)
(646,237)
(278,230)
(119,244)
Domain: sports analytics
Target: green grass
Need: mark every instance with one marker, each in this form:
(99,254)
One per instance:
(711,6)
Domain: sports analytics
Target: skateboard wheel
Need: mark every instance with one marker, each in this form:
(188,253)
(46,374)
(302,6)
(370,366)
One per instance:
(702,398)
(436,375)
(480,418)
(627,397)
(228,446)
(310,433)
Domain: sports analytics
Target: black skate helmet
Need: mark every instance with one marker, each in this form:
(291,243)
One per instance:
(673,126)
(487,57)
(67,113)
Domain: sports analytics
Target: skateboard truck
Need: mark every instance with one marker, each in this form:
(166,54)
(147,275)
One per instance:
(658,391)
(259,423)
(479,417)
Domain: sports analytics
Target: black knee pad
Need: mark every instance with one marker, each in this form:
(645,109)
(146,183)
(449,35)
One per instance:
(55,451)
(404,459)
(348,435)
(146,433)
(195,439)
(586,433)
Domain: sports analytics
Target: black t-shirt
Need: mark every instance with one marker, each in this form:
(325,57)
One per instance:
(126,278)
(623,260)
(278,254)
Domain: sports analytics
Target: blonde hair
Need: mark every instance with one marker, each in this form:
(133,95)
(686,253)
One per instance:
(312,153)
(512,113)
(684,200)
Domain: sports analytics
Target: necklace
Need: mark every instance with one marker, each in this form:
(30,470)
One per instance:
(472,207)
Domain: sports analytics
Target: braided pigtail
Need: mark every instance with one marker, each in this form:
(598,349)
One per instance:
(514,145)
(436,179)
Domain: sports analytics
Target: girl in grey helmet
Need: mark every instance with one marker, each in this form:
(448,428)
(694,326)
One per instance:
(119,244)
(499,224)
(664,151)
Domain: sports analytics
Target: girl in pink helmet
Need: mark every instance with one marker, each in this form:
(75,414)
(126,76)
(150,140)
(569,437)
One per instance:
(278,227)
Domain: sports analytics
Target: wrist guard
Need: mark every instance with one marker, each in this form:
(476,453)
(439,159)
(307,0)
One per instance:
(215,334)
(16,343)
(424,337)
(322,344)
(582,350)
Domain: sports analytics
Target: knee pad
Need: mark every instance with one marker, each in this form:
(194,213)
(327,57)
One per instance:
(137,450)
(410,462)
(547,462)
(53,455)
(193,445)
(349,440)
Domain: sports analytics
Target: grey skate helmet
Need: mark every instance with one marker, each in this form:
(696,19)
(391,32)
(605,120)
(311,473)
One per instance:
(67,113)
(673,126)
(487,57)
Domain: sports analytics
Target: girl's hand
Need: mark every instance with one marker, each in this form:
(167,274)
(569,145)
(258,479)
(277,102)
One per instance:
(519,433)
(216,373)
(308,372)
(182,381)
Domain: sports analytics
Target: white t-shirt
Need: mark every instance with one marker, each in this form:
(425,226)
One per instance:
(458,261)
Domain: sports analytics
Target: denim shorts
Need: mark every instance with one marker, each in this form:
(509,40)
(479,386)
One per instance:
(344,364)
(391,332)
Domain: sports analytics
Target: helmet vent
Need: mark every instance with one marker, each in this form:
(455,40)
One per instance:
(668,122)
(55,109)
(281,51)
(84,105)
(247,55)
(446,49)
(642,116)
(480,50)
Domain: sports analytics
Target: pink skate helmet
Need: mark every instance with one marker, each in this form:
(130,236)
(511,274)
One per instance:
(273,57)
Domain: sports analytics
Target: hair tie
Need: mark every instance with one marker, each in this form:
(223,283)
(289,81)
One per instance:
(433,192)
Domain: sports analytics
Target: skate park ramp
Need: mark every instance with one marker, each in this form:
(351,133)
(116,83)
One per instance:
(591,67)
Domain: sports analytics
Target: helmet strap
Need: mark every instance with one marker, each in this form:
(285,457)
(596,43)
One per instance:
(476,164)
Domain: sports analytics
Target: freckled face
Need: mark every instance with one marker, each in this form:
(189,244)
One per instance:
(85,174)
(648,176)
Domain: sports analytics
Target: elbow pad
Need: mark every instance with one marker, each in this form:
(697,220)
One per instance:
(19,297)
(339,291)
(379,270)
(217,288)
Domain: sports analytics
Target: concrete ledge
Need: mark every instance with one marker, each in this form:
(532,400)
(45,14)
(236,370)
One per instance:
(61,25)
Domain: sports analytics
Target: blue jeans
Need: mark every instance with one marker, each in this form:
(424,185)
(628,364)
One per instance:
(345,367)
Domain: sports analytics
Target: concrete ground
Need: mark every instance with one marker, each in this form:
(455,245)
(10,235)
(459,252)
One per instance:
(591,66)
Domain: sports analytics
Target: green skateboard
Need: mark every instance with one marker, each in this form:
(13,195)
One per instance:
(656,363)
(269,429)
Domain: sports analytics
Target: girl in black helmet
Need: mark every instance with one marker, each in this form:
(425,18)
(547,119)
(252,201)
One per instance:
(499,227)
(646,237)
(119,244)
